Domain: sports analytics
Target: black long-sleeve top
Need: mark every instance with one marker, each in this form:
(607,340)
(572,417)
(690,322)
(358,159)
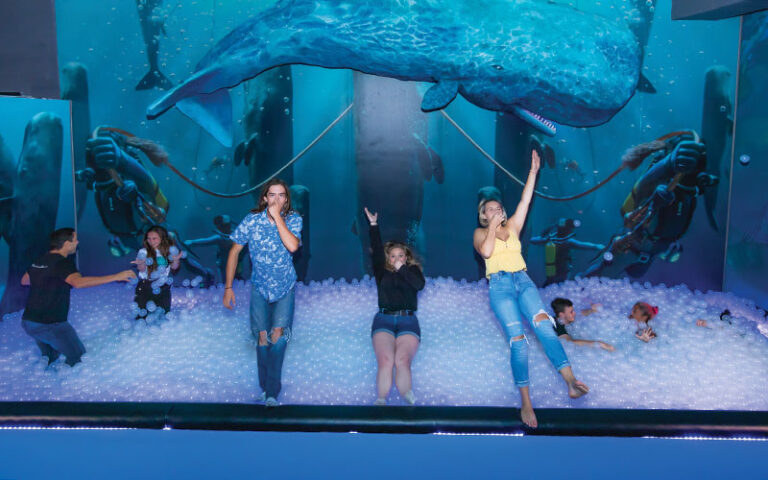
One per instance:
(397,290)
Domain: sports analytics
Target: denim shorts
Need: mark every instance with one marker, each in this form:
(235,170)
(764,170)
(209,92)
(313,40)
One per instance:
(396,325)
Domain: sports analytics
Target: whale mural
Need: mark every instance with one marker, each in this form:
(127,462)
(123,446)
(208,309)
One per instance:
(543,61)
(35,203)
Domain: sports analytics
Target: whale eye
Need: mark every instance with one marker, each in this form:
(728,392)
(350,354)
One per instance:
(498,67)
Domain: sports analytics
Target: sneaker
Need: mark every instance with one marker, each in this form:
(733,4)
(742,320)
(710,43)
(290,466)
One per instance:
(380,402)
(271,402)
(410,398)
(262,397)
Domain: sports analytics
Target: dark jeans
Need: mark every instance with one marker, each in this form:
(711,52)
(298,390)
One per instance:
(53,339)
(265,317)
(144,295)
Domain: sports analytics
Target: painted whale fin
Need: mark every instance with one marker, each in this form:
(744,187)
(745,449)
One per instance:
(213,112)
(644,85)
(439,95)
(154,79)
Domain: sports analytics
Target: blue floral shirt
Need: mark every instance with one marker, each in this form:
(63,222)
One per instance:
(273,273)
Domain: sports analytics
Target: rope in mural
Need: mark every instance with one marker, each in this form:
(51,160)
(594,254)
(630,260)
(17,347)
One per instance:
(630,162)
(162,159)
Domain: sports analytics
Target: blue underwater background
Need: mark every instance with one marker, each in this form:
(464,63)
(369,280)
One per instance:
(375,155)
(18,113)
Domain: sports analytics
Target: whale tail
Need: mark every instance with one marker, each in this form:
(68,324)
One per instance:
(203,98)
(154,78)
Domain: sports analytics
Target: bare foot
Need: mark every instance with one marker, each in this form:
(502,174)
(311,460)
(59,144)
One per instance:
(577,389)
(528,417)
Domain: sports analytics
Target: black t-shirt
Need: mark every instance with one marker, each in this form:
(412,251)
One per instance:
(48,300)
(397,290)
(560,328)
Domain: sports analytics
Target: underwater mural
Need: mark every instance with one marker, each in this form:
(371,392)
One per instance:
(410,115)
(37,187)
(270,86)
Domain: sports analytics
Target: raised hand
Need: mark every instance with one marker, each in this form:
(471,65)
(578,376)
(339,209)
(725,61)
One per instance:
(496,220)
(646,336)
(373,217)
(535,161)
(274,210)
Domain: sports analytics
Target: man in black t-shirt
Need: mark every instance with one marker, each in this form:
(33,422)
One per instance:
(50,278)
(565,315)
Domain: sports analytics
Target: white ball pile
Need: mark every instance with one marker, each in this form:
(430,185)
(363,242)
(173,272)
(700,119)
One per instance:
(201,352)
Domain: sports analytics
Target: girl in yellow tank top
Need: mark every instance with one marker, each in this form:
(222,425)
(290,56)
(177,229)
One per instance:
(513,295)
(506,256)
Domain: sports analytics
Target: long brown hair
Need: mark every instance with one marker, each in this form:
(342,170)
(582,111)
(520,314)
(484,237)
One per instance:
(410,258)
(262,205)
(164,247)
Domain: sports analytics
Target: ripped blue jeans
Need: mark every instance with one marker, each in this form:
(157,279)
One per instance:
(514,297)
(265,317)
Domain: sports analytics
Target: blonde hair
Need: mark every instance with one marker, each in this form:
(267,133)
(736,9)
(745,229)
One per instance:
(410,258)
(481,218)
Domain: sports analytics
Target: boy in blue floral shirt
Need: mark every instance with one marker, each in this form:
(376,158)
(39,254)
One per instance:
(272,232)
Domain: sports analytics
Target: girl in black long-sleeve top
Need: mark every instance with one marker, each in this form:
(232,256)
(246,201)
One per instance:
(395,330)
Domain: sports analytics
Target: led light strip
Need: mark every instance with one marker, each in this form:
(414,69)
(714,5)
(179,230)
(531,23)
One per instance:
(30,427)
(703,437)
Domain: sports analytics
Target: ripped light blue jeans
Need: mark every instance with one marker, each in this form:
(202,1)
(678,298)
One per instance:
(265,317)
(514,297)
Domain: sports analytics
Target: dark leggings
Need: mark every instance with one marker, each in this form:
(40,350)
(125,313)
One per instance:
(144,295)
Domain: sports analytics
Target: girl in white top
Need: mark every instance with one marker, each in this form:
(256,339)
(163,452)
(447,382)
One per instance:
(155,262)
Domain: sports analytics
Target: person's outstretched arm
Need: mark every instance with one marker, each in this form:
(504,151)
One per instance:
(76,280)
(584,343)
(518,219)
(377,247)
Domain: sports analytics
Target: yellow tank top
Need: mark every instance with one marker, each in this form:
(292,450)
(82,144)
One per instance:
(506,256)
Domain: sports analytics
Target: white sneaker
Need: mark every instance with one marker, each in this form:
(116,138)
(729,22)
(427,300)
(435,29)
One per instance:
(271,402)
(410,398)
(380,402)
